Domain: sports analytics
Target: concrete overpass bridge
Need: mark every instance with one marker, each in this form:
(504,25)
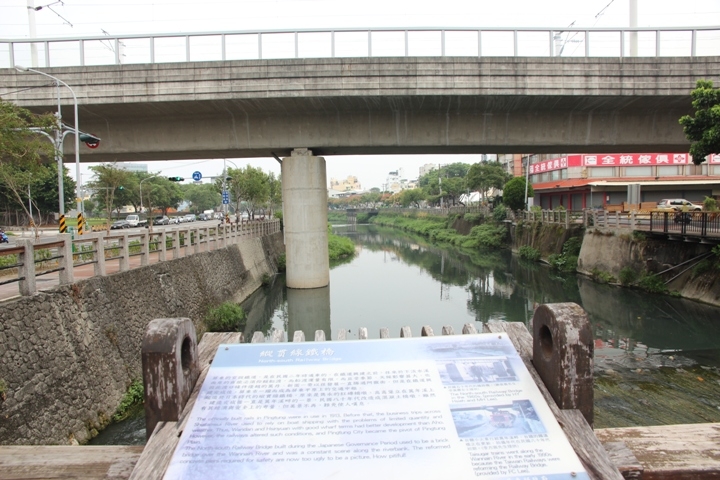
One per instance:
(463,98)
(301,108)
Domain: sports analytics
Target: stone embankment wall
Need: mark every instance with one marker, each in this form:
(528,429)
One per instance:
(68,355)
(547,238)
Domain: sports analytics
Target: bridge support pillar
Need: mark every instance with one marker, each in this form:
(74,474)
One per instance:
(304,189)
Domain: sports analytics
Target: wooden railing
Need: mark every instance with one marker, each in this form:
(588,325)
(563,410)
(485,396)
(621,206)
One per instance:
(29,259)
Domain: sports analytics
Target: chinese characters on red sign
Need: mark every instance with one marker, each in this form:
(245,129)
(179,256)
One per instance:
(616,160)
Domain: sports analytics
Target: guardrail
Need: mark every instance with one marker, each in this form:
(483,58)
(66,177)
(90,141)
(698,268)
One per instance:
(62,254)
(361,42)
(697,224)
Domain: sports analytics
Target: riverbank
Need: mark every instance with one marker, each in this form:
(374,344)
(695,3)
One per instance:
(618,257)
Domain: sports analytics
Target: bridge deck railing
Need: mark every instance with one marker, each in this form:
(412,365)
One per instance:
(110,252)
(368,43)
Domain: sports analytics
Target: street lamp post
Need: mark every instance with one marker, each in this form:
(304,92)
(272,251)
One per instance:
(59,137)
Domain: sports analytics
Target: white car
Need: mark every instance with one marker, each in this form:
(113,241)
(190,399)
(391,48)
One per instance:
(678,204)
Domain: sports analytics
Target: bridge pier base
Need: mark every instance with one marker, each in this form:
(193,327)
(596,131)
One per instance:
(304,189)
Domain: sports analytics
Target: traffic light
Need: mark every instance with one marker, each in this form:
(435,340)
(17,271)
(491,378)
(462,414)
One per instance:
(90,140)
(176,179)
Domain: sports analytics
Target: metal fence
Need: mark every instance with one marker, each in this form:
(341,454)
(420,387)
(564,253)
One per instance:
(688,224)
(348,43)
(112,252)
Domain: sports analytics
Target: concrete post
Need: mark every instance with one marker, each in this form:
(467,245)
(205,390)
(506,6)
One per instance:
(176,243)
(170,369)
(124,252)
(145,248)
(65,262)
(26,270)
(305,215)
(162,246)
(99,266)
(563,348)
(195,233)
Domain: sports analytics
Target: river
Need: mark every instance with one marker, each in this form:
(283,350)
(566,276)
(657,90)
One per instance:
(657,357)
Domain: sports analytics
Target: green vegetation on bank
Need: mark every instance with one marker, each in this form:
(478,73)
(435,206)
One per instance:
(439,229)
(228,317)
(339,247)
(131,401)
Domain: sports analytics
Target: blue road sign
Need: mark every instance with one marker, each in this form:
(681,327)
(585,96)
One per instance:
(225,197)
(197,176)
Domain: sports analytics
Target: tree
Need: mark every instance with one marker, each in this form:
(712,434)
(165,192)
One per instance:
(202,197)
(514,193)
(411,197)
(106,185)
(484,176)
(23,149)
(249,187)
(165,194)
(703,130)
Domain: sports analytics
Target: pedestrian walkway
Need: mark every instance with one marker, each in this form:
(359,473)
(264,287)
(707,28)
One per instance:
(122,251)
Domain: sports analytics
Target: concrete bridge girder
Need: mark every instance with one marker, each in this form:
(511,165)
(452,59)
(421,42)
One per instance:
(376,105)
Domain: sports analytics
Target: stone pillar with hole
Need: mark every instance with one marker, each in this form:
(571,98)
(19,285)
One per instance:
(304,190)
(563,348)
(170,369)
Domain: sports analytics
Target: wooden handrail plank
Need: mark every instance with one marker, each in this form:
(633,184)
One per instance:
(96,462)
(689,451)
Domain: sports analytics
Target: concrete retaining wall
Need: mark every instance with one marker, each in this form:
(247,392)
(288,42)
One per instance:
(610,250)
(67,356)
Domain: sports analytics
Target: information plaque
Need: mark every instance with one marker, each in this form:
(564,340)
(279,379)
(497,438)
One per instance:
(450,407)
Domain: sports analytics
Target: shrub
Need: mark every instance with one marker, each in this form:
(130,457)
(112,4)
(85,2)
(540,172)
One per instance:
(473,217)
(487,235)
(569,264)
(228,317)
(281,263)
(340,247)
(603,277)
(710,204)
(499,213)
(572,246)
(652,283)
(628,275)
(132,398)
(529,253)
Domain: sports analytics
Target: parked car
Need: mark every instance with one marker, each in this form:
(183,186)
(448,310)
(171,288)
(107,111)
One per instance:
(202,217)
(190,217)
(174,221)
(118,224)
(161,220)
(668,204)
(136,221)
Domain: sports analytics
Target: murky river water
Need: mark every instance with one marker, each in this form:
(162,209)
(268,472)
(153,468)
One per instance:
(656,357)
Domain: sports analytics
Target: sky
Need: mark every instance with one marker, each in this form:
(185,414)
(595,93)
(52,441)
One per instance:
(72,18)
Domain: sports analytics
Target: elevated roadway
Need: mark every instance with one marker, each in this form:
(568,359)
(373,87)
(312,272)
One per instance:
(253,108)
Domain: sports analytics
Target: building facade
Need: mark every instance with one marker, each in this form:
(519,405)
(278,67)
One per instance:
(580,181)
